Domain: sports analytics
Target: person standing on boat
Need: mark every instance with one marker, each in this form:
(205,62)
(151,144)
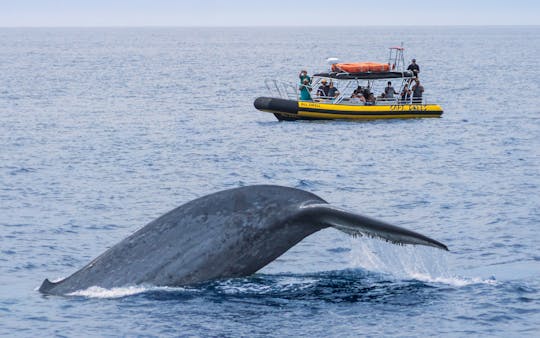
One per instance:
(414,67)
(417,91)
(389,91)
(305,90)
(405,94)
(303,76)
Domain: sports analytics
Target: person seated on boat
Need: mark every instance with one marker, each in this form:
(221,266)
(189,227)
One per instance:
(389,91)
(371,99)
(332,91)
(366,92)
(405,96)
(303,75)
(357,97)
(305,90)
(323,89)
(417,91)
(368,95)
(414,67)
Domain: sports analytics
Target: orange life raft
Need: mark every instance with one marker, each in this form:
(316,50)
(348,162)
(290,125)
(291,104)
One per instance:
(360,67)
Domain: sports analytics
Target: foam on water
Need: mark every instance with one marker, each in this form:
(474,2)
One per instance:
(99,292)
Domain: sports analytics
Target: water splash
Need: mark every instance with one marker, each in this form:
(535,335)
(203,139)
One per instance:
(408,262)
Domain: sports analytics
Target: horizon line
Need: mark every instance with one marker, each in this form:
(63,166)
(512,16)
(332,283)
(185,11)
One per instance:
(272,26)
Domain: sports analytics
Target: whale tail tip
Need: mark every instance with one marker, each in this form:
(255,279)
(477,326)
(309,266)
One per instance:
(46,286)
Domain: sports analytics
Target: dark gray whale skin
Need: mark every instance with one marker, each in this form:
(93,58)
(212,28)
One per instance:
(231,233)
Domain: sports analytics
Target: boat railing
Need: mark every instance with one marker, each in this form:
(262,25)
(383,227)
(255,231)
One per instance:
(284,90)
(380,101)
(287,90)
(397,100)
(321,98)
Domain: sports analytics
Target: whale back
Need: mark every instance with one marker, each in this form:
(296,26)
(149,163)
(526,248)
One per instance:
(230,233)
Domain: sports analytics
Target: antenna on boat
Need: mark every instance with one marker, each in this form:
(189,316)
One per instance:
(396,60)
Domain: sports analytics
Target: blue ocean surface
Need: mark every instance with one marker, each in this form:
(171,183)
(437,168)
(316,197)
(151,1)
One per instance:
(102,130)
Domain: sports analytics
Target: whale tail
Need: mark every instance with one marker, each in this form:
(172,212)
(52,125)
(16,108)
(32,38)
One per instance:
(358,225)
(232,233)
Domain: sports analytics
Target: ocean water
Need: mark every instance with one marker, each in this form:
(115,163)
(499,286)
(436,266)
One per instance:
(103,130)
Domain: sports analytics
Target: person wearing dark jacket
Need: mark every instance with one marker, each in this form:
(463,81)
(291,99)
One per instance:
(405,95)
(332,91)
(414,67)
(323,89)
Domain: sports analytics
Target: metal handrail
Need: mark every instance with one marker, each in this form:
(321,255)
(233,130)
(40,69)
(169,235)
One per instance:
(284,90)
(287,90)
(384,101)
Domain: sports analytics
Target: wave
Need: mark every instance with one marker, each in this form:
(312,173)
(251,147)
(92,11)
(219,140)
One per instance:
(352,285)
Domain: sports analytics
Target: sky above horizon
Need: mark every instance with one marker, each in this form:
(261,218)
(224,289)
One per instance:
(60,13)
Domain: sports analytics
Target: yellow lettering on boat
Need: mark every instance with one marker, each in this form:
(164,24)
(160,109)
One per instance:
(309,105)
(410,107)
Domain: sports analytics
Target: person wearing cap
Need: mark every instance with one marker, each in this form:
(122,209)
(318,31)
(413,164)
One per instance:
(303,76)
(323,89)
(414,67)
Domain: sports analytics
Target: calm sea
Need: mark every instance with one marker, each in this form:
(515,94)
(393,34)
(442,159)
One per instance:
(102,130)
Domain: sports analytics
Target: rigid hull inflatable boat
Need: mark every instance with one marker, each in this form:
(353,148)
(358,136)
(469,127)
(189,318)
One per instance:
(354,97)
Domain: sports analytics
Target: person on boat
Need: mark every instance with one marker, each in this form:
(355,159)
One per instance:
(366,92)
(368,95)
(305,90)
(323,89)
(357,97)
(389,91)
(332,91)
(405,95)
(303,75)
(414,67)
(417,91)
(370,99)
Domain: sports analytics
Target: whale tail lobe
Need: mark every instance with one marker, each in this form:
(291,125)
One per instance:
(358,225)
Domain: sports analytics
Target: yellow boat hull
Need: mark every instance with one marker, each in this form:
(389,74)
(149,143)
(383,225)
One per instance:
(304,110)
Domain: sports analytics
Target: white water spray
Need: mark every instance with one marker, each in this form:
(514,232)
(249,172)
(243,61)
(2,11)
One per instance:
(407,262)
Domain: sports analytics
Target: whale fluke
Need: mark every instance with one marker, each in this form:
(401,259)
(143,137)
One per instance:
(231,233)
(358,225)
